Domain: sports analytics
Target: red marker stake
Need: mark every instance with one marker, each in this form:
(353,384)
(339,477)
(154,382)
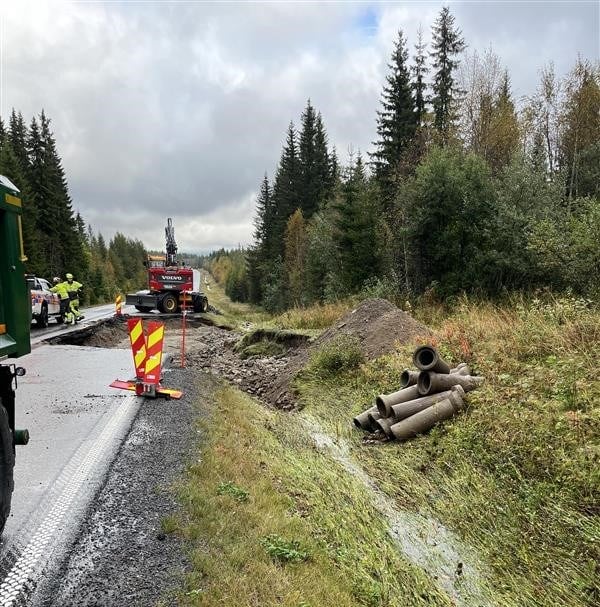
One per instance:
(183,315)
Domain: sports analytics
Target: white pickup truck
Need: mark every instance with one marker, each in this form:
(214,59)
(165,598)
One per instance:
(44,303)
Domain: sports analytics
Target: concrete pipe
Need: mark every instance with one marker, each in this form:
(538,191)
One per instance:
(425,420)
(430,382)
(373,417)
(363,421)
(426,358)
(403,410)
(462,369)
(385,424)
(384,402)
(408,378)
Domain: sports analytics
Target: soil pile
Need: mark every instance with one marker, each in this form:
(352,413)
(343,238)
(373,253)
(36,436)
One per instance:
(377,324)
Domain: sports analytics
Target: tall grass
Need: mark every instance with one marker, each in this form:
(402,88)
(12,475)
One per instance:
(518,474)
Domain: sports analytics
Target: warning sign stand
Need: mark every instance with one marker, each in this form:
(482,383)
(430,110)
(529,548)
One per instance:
(147,358)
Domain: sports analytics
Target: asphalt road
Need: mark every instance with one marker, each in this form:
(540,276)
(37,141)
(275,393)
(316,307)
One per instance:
(77,424)
(92,315)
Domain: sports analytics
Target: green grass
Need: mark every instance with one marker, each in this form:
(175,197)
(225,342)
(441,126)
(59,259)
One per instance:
(289,543)
(341,354)
(516,477)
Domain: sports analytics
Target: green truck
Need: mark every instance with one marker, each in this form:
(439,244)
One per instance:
(15,309)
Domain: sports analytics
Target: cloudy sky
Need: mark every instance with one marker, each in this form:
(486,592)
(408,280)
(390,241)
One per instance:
(178,108)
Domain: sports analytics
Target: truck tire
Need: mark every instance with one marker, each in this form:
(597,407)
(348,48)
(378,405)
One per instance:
(7,464)
(144,308)
(201,304)
(170,305)
(42,318)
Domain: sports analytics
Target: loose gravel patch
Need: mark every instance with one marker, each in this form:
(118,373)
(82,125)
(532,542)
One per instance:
(123,556)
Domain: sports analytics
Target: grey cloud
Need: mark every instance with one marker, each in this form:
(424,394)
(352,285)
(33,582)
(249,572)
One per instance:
(178,109)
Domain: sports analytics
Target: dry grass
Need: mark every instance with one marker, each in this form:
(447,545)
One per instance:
(317,316)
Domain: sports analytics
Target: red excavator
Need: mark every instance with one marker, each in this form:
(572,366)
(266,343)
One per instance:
(169,282)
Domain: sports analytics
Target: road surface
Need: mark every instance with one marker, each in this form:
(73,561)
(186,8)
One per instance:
(92,315)
(77,424)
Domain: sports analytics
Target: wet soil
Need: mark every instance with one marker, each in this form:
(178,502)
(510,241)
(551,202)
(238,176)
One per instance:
(378,325)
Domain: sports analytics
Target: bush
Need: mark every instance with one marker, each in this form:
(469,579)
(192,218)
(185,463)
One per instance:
(341,354)
(231,489)
(284,551)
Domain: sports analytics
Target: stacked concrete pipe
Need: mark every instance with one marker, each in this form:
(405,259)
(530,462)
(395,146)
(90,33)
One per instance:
(433,393)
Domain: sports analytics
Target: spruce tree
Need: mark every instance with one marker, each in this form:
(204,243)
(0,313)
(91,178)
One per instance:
(11,167)
(447,45)
(323,169)
(355,229)
(419,71)
(309,188)
(258,256)
(286,189)
(17,135)
(314,162)
(503,133)
(396,121)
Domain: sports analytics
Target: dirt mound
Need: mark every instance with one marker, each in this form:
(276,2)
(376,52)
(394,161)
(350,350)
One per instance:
(377,324)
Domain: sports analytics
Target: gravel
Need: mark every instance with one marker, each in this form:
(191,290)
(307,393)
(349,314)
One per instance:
(122,556)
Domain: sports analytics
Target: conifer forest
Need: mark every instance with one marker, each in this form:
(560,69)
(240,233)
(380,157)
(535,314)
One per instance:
(466,189)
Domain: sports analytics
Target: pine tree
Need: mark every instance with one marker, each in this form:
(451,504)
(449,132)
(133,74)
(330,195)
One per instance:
(447,45)
(286,189)
(396,121)
(419,71)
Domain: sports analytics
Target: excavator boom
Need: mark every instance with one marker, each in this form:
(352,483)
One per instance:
(171,249)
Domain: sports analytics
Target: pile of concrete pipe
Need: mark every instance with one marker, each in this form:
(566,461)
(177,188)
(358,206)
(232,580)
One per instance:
(433,393)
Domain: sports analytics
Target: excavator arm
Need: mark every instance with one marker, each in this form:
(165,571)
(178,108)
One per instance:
(171,249)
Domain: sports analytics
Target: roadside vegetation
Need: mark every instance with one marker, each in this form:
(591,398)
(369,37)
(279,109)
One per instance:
(514,478)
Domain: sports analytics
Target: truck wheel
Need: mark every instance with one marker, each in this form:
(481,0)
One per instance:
(170,304)
(42,319)
(143,308)
(201,304)
(7,464)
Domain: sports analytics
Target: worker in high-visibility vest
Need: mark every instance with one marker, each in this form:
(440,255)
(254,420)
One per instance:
(60,288)
(73,288)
